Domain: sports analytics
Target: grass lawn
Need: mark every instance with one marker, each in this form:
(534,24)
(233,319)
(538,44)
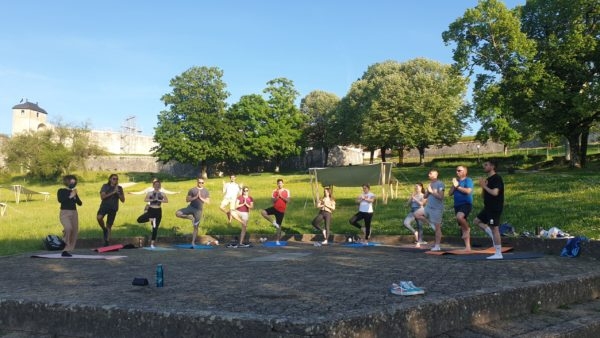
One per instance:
(558,197)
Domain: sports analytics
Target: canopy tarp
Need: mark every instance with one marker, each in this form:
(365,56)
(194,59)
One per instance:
(353,176)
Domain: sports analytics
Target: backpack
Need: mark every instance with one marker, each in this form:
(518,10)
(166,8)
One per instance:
(572,248)
(506,229)
(53,243)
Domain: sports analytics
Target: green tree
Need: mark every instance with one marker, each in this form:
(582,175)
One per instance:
(408,105)
(285,120)
(194,129)
(542,60)
(50,153)
(250,117)
(319,108)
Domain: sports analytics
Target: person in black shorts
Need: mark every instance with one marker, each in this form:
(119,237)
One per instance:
(493,203)
(110,194)
(280,198)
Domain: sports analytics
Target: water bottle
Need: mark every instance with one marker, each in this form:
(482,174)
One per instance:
(159,276)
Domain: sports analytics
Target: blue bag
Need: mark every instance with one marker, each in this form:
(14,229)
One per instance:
(573,247)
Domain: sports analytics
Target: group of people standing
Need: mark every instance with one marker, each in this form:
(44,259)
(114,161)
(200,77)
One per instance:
(427,206)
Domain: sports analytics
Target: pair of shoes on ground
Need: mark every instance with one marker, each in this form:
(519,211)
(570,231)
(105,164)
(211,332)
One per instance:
(236,245)
(436,248)
(406,288)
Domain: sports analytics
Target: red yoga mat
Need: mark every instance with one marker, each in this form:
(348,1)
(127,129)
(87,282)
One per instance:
(115,247)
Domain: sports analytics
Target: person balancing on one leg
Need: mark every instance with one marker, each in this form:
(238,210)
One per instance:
(280,198)
(462,191)
(493,203)
(231,190)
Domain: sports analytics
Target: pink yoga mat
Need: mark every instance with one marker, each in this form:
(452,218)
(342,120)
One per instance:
(59,255)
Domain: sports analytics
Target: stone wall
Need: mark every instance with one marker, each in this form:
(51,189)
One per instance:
(123,143)
(147,164)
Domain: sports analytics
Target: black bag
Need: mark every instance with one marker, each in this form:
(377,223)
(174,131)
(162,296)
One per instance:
(139,281)
(53,243)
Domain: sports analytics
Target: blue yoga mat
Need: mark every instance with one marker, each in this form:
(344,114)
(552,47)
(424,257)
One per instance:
(272,243)
(159,248)
(360,245)
(507,256)
(189,246)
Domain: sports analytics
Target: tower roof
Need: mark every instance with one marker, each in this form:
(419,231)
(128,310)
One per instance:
(30,106)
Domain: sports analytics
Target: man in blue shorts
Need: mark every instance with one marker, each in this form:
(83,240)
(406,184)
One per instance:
(462,191)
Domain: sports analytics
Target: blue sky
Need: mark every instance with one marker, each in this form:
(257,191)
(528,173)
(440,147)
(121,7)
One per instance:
(101,62)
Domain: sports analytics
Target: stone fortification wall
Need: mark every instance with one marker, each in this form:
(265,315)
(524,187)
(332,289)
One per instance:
(123,143)
(461,149)
(338,156)
(139,164)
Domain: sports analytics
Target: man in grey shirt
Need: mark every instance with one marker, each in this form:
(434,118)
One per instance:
(434,209)
(196,196)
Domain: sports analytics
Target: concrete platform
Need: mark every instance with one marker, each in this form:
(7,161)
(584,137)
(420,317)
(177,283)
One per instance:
(294,291)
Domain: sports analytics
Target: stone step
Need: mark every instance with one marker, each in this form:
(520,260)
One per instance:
(581,320)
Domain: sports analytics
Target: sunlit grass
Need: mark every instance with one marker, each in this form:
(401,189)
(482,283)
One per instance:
(563,198)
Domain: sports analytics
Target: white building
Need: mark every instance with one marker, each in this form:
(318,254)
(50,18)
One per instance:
(29,116)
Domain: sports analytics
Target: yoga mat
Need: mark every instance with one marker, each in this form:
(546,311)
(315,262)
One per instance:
(490,251)
(159,248)
(360,245)
(115,247)
(506,256)
(58,255)
(189,246)
(273,243)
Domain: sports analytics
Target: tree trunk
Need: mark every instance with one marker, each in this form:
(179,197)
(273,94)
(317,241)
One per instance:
(505,149)
(574,149)
(584,145)
(400,155)
(326,157)
(421,155)
(372,157)
(203,169)
(382,154)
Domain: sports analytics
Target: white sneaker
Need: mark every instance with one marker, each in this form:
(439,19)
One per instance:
(276,225)
(324,242)
(436,248)
(277,243)
(418,245)
(495,256)
(151,246)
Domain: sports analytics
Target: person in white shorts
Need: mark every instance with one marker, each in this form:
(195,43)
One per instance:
(231,191)
(243,204)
